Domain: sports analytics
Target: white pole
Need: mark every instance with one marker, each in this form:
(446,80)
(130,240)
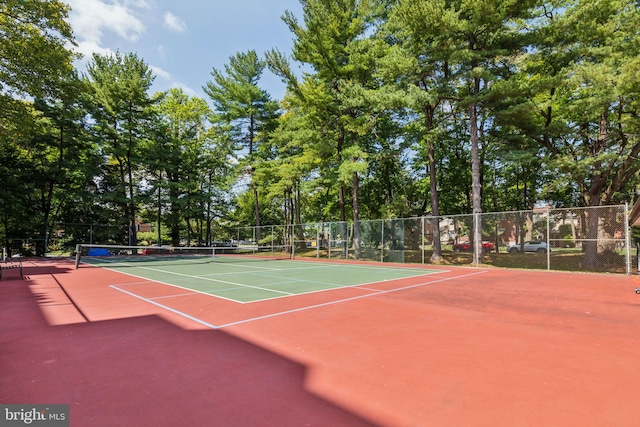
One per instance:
(422,239)
(478,238)
(382,238)
(77,255)
(627,239)
(548,239)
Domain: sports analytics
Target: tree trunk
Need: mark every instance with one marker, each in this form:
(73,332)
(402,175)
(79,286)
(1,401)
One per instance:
(594,198)
(475,181)
(356,217)
(132,203)
(256,207)
(298,217)
(433,189)
(341,203)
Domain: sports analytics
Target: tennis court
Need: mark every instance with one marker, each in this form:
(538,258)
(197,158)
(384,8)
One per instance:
(243,279)
(272,284)
(146,340)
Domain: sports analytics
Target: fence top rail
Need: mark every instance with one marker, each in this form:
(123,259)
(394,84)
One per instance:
(542,210)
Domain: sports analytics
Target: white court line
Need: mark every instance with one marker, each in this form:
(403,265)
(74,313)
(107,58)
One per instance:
(241,285)
(267,289)
(178,312)
(313,265)
(174,296)
(331,286)
(273,269)
(338,286)
(348,299)
(296,310)
(148,280)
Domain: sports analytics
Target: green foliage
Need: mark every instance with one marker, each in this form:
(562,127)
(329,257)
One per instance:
(150,238)
(187,162)
(405,107)
(122,110)
(246,114)
(34,57)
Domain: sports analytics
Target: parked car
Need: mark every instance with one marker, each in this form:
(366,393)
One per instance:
(537,246)
(468,247)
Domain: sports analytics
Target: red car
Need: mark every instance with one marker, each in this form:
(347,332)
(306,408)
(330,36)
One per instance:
(467,247)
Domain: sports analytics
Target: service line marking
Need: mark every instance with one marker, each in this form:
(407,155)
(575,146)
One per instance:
(296,310)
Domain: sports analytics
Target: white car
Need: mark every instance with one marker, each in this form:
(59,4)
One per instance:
(529,246)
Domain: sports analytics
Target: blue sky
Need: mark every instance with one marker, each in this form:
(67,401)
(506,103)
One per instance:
(182,41)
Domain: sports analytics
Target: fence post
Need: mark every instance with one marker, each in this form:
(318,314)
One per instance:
(627,238)
(382,240)
(329,238)
(422,238)
(477,238)
(548,238)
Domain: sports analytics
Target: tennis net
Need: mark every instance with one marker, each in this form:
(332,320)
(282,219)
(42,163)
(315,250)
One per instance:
(110,254)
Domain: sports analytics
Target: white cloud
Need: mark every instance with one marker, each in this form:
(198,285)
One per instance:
(163,74)
(91,18)
(174,22)
(139,4)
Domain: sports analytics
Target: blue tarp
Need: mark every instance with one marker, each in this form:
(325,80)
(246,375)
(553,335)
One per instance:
(98,252)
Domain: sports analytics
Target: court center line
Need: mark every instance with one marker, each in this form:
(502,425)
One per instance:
(300,309)
(334,284)
(178,312)
(265,288)
(157,270)
(258,272)
(283,280)
(296,310)
(156,282)
(333,287)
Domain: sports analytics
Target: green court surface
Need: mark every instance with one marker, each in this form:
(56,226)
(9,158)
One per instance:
(253,280)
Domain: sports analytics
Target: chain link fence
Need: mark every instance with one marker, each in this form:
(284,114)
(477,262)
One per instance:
(576,239)
(573,239)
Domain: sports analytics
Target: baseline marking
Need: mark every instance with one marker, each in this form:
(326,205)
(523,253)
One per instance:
(296,310)
(265,287)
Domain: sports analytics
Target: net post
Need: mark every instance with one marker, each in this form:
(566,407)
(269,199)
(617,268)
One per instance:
(77,255)
(293,247)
